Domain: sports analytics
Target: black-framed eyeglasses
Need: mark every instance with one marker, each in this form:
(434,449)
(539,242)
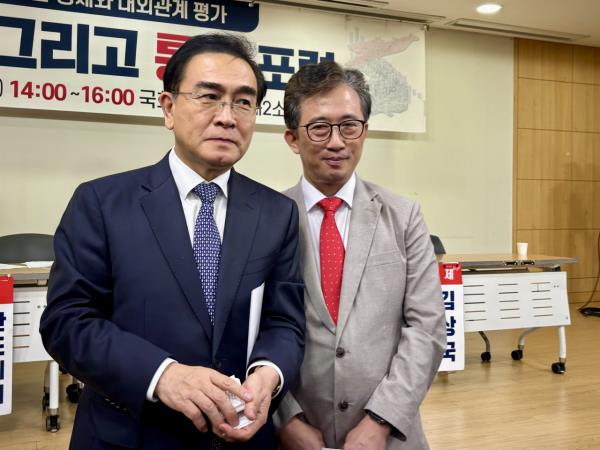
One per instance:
(242,107)
(321,131)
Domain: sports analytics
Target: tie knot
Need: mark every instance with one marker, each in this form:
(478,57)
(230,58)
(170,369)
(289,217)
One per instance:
(330,204)
(207,192)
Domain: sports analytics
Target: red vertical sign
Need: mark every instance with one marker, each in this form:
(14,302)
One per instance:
(6,289)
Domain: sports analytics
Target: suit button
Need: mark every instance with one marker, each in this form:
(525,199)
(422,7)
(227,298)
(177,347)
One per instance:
(340,352)
(343,405)
(217,364)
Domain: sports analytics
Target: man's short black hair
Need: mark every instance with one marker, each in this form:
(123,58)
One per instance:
(230,44)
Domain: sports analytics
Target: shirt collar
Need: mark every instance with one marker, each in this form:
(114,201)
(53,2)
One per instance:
(312,195)
(186,179)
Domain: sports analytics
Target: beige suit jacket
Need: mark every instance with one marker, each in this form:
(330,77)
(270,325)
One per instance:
(391,331)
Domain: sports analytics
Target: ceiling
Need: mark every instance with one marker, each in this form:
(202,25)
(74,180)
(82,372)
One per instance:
(569,21)
(579,17)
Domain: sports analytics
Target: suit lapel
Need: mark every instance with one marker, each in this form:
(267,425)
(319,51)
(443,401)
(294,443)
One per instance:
(164,212)
(310,272)
(363,222)
(243,210)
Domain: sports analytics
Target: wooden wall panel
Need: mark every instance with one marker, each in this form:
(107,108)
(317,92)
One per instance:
(545,105)
(548,242)
(546,155)
(595,147)
(579,244)
(596,205)
(545,242)
(585,156)
(582,284)
(586,65)
(544,204)
(581,205)
(547,61)
(586,108)
(596,65)
(582,297)
(584,246)
(556,177)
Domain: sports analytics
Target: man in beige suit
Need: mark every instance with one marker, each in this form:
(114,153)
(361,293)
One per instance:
(375,318)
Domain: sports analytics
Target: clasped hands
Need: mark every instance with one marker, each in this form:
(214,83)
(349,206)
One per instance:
(366,435)
(200,393)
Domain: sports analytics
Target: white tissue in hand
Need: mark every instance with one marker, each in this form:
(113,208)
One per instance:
(239,405)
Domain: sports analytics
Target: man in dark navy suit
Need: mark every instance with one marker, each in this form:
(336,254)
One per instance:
(150,293)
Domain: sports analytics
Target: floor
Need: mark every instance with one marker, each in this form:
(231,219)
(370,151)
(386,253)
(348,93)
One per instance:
(503,404)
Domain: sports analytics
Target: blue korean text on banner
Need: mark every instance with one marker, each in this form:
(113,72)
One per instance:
(48,60)
(218,14)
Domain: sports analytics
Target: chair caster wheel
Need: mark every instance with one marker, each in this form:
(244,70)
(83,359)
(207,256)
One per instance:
(486,357)
(73,393)
(52,424)
(517,355)
(559,367)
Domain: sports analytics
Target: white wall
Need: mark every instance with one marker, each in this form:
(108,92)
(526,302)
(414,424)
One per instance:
(460,170)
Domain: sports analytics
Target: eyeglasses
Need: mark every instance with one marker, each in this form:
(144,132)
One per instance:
(242,107)
(321,131)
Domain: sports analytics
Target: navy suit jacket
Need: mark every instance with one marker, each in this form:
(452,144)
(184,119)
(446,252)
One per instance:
(124,294)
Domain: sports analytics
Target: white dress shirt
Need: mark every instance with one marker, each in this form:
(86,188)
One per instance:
(187,179)
(314,213)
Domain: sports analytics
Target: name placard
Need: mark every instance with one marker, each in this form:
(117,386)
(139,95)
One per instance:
(452,296)
(6,346)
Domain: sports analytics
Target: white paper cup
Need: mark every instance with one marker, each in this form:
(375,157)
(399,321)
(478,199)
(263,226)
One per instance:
(522,249)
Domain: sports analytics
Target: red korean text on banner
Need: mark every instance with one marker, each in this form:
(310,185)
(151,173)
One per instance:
(166,46)
(450,273)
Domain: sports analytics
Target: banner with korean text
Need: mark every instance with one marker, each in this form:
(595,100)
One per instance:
(109,56)
(6,347)
(452,295)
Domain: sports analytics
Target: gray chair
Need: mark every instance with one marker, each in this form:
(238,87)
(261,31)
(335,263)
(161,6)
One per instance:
(438,247)
(19,248)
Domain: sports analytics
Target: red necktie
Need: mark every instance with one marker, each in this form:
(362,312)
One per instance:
(332,256)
